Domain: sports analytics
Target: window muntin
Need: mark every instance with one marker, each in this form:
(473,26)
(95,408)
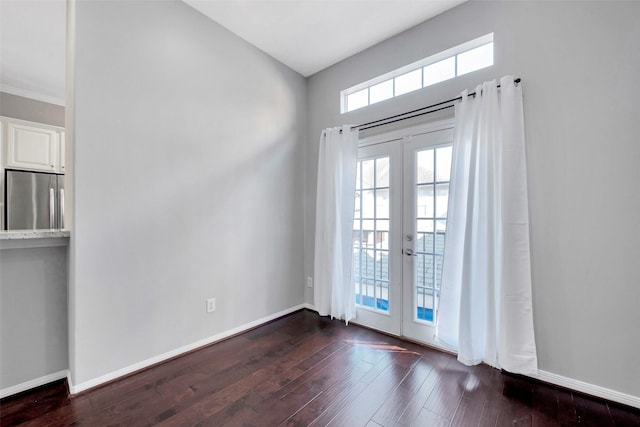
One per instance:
(462,59)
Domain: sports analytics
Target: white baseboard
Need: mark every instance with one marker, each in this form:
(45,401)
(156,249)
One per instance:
(548,377)
(28,385)
(593,390)
(77,388)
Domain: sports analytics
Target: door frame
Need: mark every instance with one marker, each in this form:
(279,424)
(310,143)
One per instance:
(401,133)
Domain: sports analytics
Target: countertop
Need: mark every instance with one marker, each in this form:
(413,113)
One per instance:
(17,239)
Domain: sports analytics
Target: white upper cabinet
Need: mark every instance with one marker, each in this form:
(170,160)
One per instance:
(33,146)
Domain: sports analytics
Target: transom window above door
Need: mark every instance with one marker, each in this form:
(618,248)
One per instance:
(456,61)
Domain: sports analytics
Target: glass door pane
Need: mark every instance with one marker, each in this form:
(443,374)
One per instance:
(371,234)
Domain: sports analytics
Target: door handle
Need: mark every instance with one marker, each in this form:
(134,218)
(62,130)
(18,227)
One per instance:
(61,225)
(409,252)
(52,208)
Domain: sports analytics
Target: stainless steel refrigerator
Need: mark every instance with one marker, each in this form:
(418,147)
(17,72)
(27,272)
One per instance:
(33,200)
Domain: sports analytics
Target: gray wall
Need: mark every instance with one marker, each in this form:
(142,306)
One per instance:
(33,110)
(189,154)
(579,63)
(33,314)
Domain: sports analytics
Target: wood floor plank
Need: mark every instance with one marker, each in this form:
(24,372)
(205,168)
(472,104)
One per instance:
(448,390)
(468,412)
(418,400)
(490,412)
(428,418)
(344,397)
(592,412)
(231,369)
(164,373)
(303,366)
(481,383)
(566,414)
(47,398)
(514,412)
(276,408)
(395,404)
(516,403)
(260,384)
(624,416)
(304,370)
(414,406)
(67,414)
(367,403)
(211,404)
(142,408)
(547,410)
(335,398)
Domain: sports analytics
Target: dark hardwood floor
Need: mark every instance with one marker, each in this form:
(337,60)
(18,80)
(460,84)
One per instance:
(306,370)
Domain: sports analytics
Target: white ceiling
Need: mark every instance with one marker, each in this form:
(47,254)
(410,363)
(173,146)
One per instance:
(306,35)
(310,35)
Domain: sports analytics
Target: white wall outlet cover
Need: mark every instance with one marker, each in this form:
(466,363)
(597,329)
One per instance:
(211,305)
(309,282)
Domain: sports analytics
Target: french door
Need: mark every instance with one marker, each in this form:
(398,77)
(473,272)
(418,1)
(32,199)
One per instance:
(377,247)
(399,230)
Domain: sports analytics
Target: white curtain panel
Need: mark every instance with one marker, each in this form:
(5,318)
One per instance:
(337,161)
(486,306)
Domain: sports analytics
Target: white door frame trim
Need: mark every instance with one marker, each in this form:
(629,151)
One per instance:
(395,134)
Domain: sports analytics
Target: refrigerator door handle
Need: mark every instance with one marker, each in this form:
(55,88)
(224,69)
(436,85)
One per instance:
(61,225)
(52,207)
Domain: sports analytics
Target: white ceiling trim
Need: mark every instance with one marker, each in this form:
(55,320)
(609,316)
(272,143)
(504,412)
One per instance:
(25,93)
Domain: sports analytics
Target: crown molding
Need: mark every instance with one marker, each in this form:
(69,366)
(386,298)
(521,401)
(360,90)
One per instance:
(31,95)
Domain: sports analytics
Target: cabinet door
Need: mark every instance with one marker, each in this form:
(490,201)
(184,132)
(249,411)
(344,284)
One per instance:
(31,147)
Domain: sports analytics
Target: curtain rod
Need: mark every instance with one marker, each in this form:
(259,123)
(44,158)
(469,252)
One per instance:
(399,117)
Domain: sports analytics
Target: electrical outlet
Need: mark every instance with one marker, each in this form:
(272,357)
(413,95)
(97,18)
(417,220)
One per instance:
(211,305)
(309,282)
